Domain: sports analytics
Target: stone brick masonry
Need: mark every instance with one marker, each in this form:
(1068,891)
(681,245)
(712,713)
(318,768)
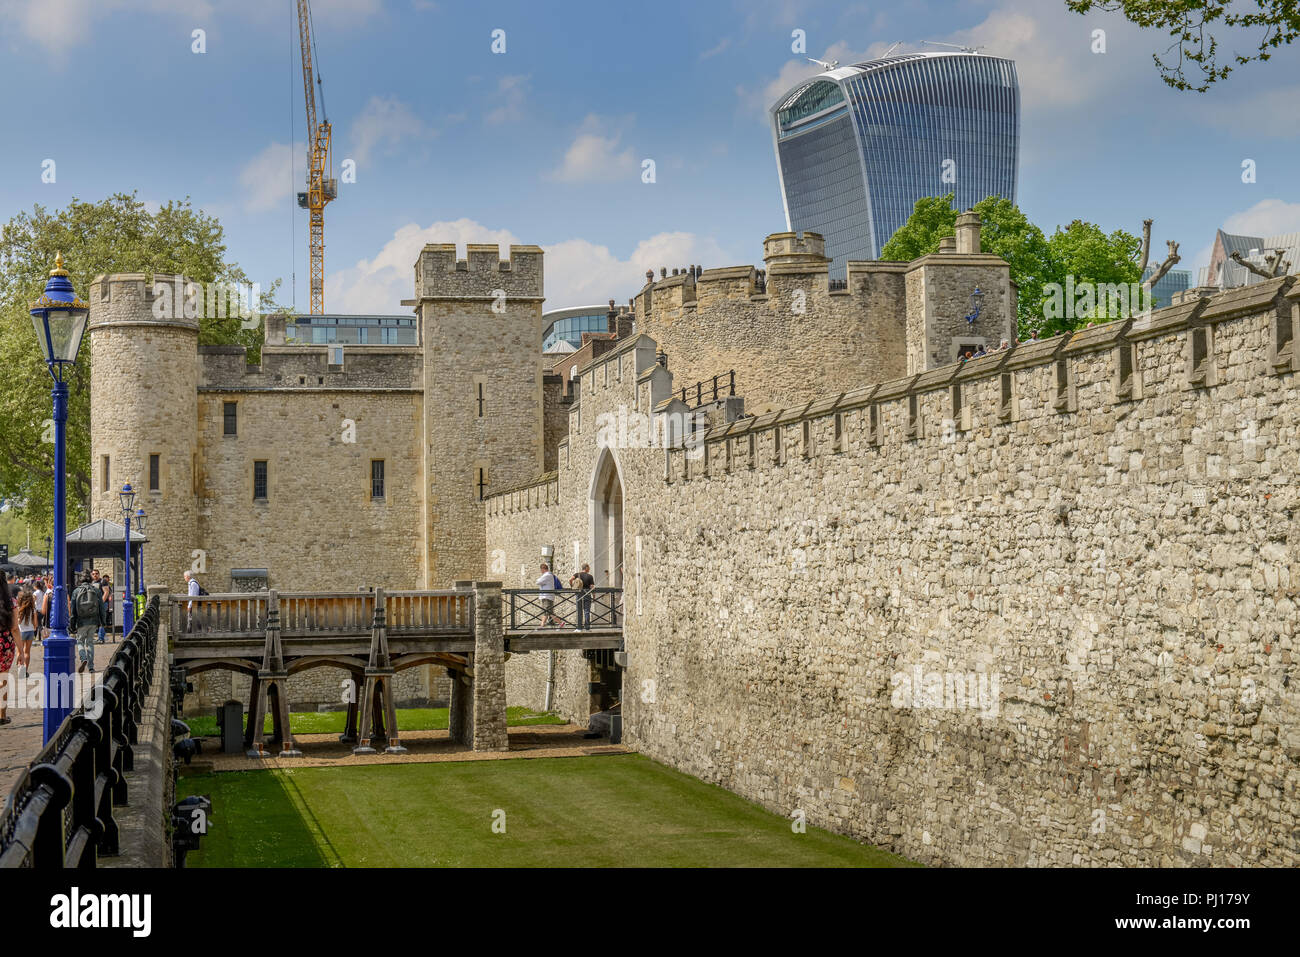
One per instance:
(1054,627)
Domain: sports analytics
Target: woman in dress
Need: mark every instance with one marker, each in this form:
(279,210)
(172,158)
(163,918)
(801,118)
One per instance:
(8,633)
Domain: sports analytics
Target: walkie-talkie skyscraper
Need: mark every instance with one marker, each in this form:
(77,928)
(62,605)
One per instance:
(857,146)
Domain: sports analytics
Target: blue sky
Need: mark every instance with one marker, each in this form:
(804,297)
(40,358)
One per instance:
(545,142)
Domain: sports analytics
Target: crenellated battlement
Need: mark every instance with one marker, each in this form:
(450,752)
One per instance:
(1239,341)
(134,298)
(439,274)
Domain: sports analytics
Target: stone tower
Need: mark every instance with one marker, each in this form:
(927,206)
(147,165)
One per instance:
(481,335)
(144,403)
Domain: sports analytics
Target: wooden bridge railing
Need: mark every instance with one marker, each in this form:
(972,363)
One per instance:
(320,614)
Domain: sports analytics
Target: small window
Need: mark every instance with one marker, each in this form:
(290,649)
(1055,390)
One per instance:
(482,484)
(956,404)
(230,416)
(873,425)
(753,449)
(259,481)
(478,398)
(913,417)
(103,473)
(377,478)
(806,444)
(776,444)
(839,432)
(1124,368)
(155,468)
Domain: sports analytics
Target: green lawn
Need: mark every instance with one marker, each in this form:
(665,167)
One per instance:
(408,719)
(608,811)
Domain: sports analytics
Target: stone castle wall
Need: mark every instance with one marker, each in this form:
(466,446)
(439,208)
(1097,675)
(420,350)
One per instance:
(1089,576)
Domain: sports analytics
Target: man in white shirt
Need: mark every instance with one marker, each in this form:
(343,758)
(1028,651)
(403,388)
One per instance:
(547,584)
(192,589)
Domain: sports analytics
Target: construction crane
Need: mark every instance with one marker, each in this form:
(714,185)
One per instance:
(321,185)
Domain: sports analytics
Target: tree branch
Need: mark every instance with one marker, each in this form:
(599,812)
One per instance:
(1172,260)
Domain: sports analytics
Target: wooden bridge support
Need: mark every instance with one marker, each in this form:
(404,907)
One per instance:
(488,731)
(378,712)
(270,688)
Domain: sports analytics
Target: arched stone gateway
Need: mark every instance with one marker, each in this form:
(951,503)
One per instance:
(605,508)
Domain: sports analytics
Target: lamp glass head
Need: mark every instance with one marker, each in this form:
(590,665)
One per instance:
(127,495)
(139,519)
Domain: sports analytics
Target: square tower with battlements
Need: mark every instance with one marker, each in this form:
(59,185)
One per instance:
(480,324)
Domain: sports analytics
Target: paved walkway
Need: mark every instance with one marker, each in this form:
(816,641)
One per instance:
(21,740)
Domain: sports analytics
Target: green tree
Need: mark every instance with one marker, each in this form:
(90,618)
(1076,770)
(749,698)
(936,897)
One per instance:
(115,235)
(1083,256)
(1190,23)
(1005,232)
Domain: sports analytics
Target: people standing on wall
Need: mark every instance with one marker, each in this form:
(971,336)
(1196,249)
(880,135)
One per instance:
(87,615)
(586,582)
(109,603)
(100,583)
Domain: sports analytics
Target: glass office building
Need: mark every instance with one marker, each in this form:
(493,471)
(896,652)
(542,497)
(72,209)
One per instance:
(569,325)
(857,146)
(363,330)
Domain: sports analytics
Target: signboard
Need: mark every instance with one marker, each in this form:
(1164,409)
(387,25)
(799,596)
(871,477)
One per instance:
(4,554)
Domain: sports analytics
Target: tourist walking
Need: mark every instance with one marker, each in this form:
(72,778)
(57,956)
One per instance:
(194,590)
(8,629)
(28,622)
(87,615)
(586,583)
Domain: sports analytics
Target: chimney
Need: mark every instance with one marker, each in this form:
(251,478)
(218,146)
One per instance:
(968,233)
(274,328)
(948,244)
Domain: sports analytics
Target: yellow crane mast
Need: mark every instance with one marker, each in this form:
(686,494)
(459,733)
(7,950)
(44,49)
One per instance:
(321,185)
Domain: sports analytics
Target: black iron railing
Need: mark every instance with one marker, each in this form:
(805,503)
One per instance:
(722,386)
(60,812)
(569,609)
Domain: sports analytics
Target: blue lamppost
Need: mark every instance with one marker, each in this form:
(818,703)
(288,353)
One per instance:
(127,495)
(976,304)
(59,318)
(140,516)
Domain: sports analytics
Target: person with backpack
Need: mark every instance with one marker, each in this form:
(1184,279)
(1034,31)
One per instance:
(586,582)
(548,584)
(87,614)
(194,590)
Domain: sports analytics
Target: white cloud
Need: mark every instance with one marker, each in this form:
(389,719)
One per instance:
(578,272)
(1268,217)
(594,156)
(384,123)
(59,24)
(714,51)
(273,176)
(511,90)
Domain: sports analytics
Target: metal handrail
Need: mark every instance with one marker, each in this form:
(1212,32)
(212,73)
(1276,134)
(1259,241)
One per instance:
(60,811)
(593,608)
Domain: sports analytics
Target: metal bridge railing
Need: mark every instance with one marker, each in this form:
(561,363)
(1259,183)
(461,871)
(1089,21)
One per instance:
(60,812)
(565,608)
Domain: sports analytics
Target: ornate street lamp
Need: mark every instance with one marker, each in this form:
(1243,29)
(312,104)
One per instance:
(140,516)
(976,303)
(59,318)
(127,497)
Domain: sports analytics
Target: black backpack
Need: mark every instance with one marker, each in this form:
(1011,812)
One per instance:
(202,590)
(86,602)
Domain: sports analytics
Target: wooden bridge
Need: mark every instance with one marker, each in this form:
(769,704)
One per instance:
(470,630)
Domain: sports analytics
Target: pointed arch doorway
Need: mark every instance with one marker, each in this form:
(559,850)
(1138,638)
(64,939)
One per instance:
(605,508)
